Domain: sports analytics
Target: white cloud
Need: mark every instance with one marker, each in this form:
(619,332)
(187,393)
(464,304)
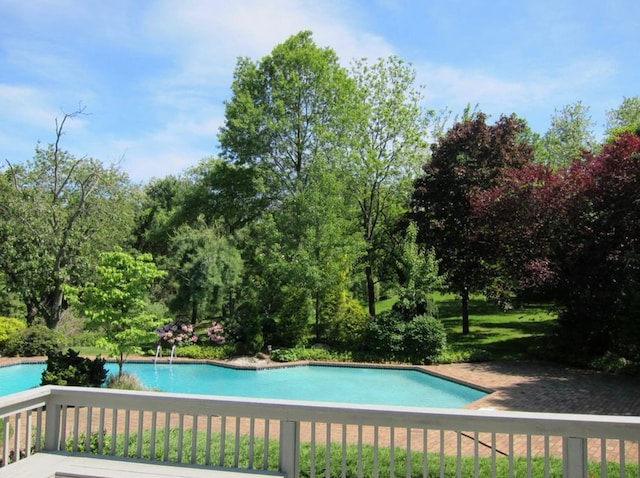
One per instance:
(206,37)
(202,40)
(26,105)
(171,149)
(142,162)
(455,87)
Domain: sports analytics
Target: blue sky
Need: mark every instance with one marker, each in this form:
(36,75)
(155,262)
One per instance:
(154,74)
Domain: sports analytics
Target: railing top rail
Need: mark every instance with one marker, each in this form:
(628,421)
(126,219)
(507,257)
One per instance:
(25,400)
(290,410)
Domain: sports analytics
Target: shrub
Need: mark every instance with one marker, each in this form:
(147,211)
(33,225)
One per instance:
(413,305)
(613,363)
(297,354)
(424,340)
(126,381)
(71,369)
(204,352)
(10,327)
(345,321)
(86,338)
(383,336)
(243,328)
(389,336)
(215,333)
(179,332)
(34,341)
(293,319)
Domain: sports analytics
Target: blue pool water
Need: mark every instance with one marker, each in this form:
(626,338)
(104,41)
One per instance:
(381,386)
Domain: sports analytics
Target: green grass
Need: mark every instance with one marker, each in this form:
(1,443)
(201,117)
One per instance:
(385,456)
(2,430)
(494,333)
(89,350)
(384,305)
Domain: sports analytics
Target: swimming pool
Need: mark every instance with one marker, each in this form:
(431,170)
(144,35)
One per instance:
(325,383)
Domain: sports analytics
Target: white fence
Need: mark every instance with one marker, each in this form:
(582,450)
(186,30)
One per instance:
(315,439)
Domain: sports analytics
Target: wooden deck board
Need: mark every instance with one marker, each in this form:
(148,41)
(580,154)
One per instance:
(62,465)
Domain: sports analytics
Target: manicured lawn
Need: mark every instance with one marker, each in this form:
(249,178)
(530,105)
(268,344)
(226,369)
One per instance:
(384,305)
(495,333)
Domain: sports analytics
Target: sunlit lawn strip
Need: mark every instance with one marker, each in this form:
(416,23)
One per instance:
(385,460)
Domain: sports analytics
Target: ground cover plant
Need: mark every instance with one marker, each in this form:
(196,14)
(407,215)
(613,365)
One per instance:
(126,381)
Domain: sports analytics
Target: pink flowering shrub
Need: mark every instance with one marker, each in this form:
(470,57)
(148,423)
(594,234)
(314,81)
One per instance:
(215,333)
(177,333)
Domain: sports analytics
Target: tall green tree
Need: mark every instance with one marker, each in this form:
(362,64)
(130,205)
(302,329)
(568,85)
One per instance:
(160,214)
(387,144)
(419,269)
(116,303)
(570,135)
(312,243)
(283,112)
(226,193)
(206,269)
(625,118)
(468,159)
(57,212)
(283,125)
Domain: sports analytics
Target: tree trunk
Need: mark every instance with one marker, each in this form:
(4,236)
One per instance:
(371,293)
(465,311)
(317,312)
(53,311)
(194,311)
(32,311)
(120,364)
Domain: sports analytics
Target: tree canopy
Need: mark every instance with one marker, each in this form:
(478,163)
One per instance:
(387,144)
(468,159)
(317,208)
(58,211)
(116,303)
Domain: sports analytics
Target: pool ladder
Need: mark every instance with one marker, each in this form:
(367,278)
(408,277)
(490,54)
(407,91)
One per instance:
(159,354)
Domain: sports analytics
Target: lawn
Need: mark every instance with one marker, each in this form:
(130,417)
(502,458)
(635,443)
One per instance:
(341,455)
(494,333)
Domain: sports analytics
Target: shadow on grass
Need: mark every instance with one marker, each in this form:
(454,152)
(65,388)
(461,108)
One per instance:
(496,334)
(525,326)
(452,308)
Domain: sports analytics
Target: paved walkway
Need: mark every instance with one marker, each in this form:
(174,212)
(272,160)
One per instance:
(542,387)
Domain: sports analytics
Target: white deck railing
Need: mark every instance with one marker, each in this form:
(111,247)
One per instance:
(313,438)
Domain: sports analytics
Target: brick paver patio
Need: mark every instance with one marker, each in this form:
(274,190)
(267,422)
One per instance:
(542,387)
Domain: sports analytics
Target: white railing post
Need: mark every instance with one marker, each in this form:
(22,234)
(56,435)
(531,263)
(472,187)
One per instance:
(52,426)
(574,457)
(289,448)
